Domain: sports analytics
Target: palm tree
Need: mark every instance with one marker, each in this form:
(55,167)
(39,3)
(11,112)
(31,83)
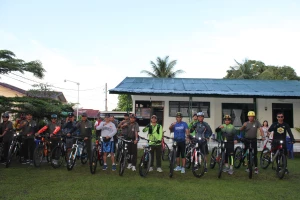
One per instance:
(9,64)
(163,68)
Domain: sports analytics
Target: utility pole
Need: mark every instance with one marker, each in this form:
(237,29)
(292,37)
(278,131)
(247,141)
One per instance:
(105,96)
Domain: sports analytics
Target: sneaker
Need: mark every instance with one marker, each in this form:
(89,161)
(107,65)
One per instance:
(230,171)
(183,170)
(114,168)
(151,169)
(287,171)
(104,167)
(27,161)
(129,166)
(133,168)
(225,169)
(159,169)
(205,170)
(178,168)
(247,170)
(24,162)
(3,162)
(256,170)
(108,155)
(31,162)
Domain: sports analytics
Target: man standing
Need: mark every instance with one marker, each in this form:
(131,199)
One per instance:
(203,130)
(115,122)
(192,123)
(97,123)
(6,130)
(108,130)
(155,134)
(27,129)
(132,134)
(280,129)
(124,124)
(250,128)
(180,130)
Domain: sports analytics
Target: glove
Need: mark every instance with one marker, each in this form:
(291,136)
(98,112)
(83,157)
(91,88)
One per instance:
(148,126)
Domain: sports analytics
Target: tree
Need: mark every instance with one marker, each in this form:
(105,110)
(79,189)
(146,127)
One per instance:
(124,103)
(163,68)
(8,64)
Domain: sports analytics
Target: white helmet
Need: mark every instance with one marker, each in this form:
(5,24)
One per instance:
(200,114)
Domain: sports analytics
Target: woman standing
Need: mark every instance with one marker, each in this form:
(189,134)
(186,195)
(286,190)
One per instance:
(264,132)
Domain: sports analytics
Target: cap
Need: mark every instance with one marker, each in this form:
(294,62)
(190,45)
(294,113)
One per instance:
(126,115)
(83,115)
(6,115)
(154,116)
(178,114)
(227,117)
(107,115)
(53,116)
(70,114)
(195,114)
(132,116)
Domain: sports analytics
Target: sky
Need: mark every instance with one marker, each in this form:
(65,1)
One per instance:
(95,42)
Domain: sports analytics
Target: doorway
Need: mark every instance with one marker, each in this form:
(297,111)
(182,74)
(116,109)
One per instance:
(159,112)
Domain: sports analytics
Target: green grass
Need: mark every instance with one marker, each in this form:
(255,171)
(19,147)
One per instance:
(28,182)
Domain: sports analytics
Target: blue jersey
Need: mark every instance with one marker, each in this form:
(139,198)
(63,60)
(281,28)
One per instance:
(179,131)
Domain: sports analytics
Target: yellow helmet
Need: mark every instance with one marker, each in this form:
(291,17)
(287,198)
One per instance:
(227,117)
(251,114)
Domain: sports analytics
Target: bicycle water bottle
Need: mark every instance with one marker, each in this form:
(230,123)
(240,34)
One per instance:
(225,139)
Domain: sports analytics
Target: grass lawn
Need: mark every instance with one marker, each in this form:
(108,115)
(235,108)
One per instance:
(27,182)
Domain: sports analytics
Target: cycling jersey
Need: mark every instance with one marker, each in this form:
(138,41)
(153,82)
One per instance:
(280,131)
(154,133)
(228,132)
(179,131)
(202,129)
(191,124)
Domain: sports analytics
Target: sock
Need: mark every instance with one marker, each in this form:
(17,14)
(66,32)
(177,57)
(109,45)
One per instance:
(105,164)
(113,164)
(226,165)
(231,167)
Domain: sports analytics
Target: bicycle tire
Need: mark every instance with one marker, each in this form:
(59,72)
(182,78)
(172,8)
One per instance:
(265,158)
(100,156)
(213,157)
(145,164)
(38,155)
(72,159)
(165,152)
(250,164)
(94,160)
(221,164)
(10,155)
(118,154)
(57,155)
(84,155)
(122,163)
(172,162)
(188,159)
(238,157)
(281,166)
(198,168)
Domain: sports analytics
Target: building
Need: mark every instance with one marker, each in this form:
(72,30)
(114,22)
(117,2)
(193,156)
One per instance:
(7,90)
(91,113)
(215,97)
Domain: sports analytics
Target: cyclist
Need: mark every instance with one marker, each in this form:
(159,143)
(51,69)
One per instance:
(155,133)
(123,124)
(115,122)
(227,132)
(180,129)
(67,127)
(280,129)
(97,123)
(6,128)
(203,130)
(53,128)
(132,134)
(108,130)
(250,128)
(27,129)
(191,124)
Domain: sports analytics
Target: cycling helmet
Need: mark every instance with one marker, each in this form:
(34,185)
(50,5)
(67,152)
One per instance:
(5,115)
(251,114)
(200,114)
(227,117)
(54,116)
(178,114)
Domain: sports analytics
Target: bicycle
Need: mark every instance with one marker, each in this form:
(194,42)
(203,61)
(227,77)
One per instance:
(97,155)
(145,162)
(79,150)
(165,150)
(197,158)
(172,156)
(268,156)
(218,156)
(123,155)
(119,148)
(188,153)
(59,154)
(42,150)
(14,149)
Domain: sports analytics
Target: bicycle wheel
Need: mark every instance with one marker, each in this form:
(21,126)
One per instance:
(122,163)
(238,157)
(188,159)
(165,152)
(10,154)
(38,155)
(57,157)
(72,159)
(172,162)
(198,165)
(221,164)
(145,164)
(250,164)
(265,158)
(84,155)
(213,157)
(93,163)
(281,165)
(100,157)
(118,154)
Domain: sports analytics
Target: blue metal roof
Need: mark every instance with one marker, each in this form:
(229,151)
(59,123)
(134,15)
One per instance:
(208,87)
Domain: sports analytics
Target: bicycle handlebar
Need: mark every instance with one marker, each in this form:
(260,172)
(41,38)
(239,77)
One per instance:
(157,141)
(122,138)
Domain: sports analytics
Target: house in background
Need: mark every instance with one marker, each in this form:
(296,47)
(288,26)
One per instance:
(165,97)
(59,96)
(7,90)
(91,113)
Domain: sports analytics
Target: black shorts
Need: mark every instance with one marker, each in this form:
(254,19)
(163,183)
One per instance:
(203,147)
(180,149)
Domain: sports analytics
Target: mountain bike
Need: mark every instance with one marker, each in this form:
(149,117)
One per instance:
(123,155)
(165,150)
(218,156)
(239,158)
(145,162)
(119,148)
(197,158)
(42,150)
(78,150)
(59,154)
(14,149)
(172,156)
(188,152)
(276,154)
(97,155)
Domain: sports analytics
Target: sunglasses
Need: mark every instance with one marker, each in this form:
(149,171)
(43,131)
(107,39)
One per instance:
(279,116)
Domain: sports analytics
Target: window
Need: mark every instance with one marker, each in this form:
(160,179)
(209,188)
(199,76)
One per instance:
(143,112)
(287,109)
(183,107)
(237,111)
